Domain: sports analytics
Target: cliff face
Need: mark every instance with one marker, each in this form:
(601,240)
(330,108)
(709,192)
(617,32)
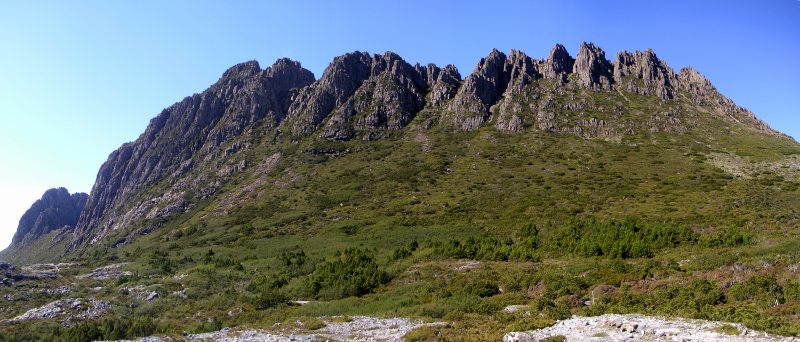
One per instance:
(193,148)
(190,132)
(56,209)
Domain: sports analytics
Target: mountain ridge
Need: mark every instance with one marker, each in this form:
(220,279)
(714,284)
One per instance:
(370,96)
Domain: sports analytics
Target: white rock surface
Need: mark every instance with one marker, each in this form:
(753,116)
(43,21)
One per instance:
(80,309)
(359,328)
(112,271)
(613,327)
(515,308)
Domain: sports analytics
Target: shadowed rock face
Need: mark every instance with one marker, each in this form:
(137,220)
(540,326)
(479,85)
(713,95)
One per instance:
(558,64)
(338,83)
(443,84)
(592,69)
(367,95)
(56,209)
(696,84)
(191,149)
(387,100)
(470,107)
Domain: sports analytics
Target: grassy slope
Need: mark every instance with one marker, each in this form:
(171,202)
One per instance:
(46,248)
(435,185)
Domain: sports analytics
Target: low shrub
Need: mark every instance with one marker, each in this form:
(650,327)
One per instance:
(759,289)
(730,237)
(353,273)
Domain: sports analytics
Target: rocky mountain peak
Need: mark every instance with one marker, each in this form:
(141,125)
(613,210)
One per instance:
(388,100)
(694,82)
(591,67)
(656,77)
(56,209)
(190,130)
(519,70)
(470,107)
(390,62)
(443,83)
(338,83)
(558,64)
(489,78)
(449,74)
(242,70)
(286,74)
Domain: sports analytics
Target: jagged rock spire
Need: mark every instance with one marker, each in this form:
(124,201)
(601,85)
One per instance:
(519,70)
(443,83)
(558,64)
(470,107)
(338,83)
(591,67)
(657,78)
(387,100)
(695,83)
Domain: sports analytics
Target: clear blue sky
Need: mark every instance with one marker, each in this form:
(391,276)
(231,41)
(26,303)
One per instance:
(79,78)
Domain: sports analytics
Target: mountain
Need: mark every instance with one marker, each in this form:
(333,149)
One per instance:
(51,218)
(351,188)
(193,145)
(56,209)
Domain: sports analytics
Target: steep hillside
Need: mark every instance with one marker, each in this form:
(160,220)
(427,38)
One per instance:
(385,188)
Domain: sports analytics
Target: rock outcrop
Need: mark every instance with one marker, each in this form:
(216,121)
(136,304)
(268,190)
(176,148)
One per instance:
(56,209)
(67,311)
(443,84)
(519,71)
(635,327)
(591,68)
(643,73)
(703,93)
(338,83)
(470,107)
(558,64)
(387,100)
(694,83)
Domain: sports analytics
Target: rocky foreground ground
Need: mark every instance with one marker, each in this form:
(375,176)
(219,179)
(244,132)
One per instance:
(356,328)
(613,327)
(609,327)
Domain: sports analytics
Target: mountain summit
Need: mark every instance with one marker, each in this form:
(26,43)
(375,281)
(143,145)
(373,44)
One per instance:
(56,209)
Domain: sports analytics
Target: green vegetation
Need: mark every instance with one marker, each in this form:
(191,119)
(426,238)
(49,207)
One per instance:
(354,273)
(728,329)
(461,226)
(110,329)
(730,237)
